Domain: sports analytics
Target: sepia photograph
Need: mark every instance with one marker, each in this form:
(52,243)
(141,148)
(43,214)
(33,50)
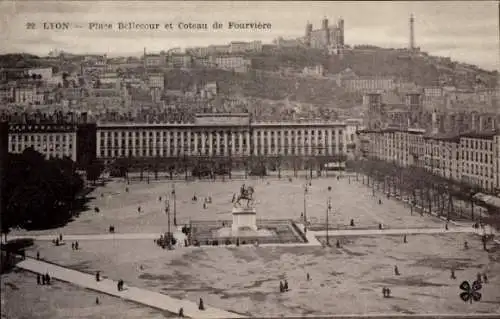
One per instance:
(249,159)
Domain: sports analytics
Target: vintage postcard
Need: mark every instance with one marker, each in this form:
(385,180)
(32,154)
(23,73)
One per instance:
(231,159)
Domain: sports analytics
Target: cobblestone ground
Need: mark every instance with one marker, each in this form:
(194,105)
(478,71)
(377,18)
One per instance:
(346,280)
(63,301)
(276,199)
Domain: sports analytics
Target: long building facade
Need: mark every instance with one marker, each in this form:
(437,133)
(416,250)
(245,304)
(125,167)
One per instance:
(220,140)
(211,136)
(74,141)
(472,158)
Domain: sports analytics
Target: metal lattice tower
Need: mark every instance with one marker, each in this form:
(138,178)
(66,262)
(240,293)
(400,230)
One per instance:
(412,33)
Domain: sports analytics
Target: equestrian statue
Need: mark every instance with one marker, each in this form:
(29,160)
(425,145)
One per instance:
(245,193)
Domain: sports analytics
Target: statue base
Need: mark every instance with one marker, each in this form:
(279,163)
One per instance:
(244,218)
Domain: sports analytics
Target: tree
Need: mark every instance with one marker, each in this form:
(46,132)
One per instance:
(38,192)
(94,170)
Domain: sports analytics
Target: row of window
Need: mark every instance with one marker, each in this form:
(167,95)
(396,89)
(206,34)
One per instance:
(220,133)
(480,145)
(45,137)
(221,142)
(169,152)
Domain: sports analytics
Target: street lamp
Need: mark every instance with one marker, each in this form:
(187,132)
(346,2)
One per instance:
(175,204)
(305,205)
(328,210)
(167,211)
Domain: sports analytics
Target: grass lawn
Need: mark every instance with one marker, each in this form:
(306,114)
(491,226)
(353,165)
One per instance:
(275,199)
(348,280)
(23,298)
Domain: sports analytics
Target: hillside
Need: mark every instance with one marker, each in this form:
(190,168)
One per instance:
(421,68)
(305,90)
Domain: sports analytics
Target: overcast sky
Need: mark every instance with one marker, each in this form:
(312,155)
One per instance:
(465,31)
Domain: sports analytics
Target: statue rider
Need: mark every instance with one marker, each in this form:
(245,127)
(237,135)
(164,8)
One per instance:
(242,189)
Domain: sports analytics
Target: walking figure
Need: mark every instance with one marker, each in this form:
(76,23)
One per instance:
(98,276)
(76,245)
(466,245)
(139,209)
(201,306)
(73,246)
(338,244)
(384,292)
(181,312)
(446,226)
(404,239)
(396,271)
(37,255)
(96,300)
(281,287)
(60,237)
(43,279)
(485,278)
(285,285)
(380,202)
(38,279)
(479,278)
(352,222)
(47,278)
(453,274)
(308,277)
(379,226)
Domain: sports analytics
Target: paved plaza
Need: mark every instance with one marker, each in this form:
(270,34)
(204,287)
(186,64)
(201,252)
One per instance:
(244,281)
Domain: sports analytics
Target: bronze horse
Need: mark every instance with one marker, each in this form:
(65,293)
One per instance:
(245,193)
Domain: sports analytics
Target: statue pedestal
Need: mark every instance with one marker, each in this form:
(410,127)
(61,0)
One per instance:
(244,218)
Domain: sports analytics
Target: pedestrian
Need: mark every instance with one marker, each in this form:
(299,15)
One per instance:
(118,286)
(485,278)
(453,274)
(181,312)
(57,241)
(466,245)
(479,278)
(396,271)
(47,279)
(97,276)
(446,226)
(96,300)
(404,239)
(281,287)
(38,279)
(60,237)
(352,222)
(76,245)
(200,305)
(308,277)
(72,246)
(379,226)
(337,244)
(43,279)
(37,255)
(388,292)
(380,202)
(285,285)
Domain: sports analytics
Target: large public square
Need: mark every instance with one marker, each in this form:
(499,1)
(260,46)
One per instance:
(344,279)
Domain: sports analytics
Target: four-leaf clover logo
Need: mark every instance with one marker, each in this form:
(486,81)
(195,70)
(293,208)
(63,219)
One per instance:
(470,292)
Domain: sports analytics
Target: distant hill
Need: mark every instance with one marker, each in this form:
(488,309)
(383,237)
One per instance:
(424,69)
(19,60)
